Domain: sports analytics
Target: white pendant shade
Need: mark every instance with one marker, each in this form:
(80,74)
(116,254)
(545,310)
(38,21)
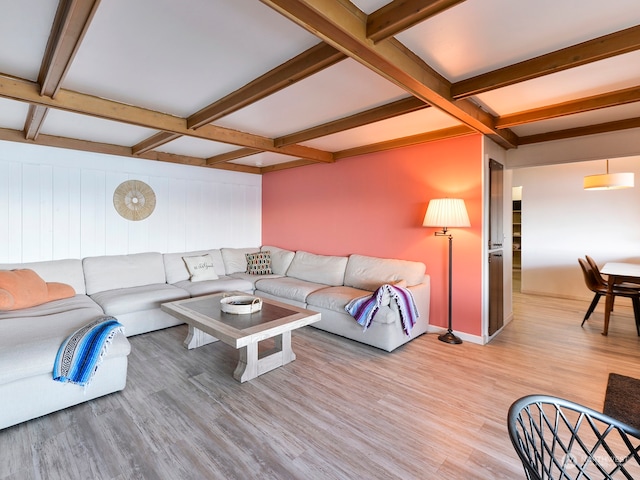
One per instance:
(446,212)
(609,181)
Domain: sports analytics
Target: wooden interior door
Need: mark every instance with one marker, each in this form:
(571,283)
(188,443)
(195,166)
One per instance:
(496,239)
(496,292)
(496,199)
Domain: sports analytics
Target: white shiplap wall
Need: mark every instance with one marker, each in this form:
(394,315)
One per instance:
(57,203)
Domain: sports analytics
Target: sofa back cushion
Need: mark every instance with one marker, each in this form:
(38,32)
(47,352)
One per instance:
(280,259)
(67,271)
(325,269)
(176,269)
(122,271)
(235,260)
(368,273)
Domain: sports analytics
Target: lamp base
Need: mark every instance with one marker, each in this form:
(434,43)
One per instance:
(449,337)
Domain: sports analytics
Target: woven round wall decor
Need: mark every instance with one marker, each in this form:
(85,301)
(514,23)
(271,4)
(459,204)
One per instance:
(134,200)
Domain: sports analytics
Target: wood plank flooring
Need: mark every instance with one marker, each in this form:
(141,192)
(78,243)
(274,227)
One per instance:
(342,410)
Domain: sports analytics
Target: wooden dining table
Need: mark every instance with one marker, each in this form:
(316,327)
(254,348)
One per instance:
(617,273)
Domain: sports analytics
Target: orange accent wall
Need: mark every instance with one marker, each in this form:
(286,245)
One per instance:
(374,205)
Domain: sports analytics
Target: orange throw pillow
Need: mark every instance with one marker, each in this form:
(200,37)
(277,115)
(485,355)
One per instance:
(58,291)
(24,288)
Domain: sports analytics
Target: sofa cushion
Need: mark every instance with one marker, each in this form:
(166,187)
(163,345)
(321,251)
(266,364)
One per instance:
(55,307)
(288,287)
(112,272)
(30,345)
(324,269)
(252,279)
(23,288)
(368,273)
(67,271)
(235,259)
(135,299)
(222,284)
(280,259)
(259,263)
(336,298)
(176,269)
(200,267)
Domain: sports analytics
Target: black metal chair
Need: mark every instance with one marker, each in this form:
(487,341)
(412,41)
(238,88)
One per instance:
(559,439)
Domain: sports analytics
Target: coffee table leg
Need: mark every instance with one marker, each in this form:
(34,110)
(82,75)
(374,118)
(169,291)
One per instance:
(283,344)
(197,338)
(250,366)
(247,363)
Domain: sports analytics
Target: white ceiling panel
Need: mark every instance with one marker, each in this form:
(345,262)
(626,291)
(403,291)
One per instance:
(612,74)
(370,6)
(595,117)
(478,36)
(71,125)
(338,91)
(414,123)
(12,114)
(23,35)
(263,159)
(177,57)
(195,147)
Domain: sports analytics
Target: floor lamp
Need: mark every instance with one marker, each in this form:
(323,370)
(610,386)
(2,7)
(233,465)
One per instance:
(446,213)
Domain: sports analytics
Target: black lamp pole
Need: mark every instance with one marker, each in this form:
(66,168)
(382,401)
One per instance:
(449,336)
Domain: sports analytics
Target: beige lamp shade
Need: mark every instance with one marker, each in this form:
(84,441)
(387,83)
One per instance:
(609,181)
(446,212)
(134,200)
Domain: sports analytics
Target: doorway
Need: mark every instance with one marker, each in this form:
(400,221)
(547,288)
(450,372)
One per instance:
(516,229)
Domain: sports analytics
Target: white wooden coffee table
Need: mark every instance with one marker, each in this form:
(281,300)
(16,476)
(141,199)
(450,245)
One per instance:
(207,324)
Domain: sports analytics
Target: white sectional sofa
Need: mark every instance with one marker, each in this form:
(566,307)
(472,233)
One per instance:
(325,284)
(30,339)
(132,288)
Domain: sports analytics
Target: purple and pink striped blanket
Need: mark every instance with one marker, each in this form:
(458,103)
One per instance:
(363,309)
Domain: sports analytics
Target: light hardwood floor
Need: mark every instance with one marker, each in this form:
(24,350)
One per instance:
(340,411)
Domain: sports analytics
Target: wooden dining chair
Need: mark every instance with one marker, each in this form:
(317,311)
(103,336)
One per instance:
(599,290)
(601,279)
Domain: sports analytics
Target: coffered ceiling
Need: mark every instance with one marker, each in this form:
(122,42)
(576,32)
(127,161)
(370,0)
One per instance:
(257,86)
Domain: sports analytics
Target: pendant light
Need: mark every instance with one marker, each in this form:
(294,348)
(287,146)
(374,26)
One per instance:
(608,181)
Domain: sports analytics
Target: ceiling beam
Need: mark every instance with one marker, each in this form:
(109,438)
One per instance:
(595,102)
(442,134)
(309,62)
(581,131)
(399,15)
(343,25)
(376,114)
(601,48)
(34,121)
(153,142)
(74,102)
(69,27)
(286,166)
(234,155)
